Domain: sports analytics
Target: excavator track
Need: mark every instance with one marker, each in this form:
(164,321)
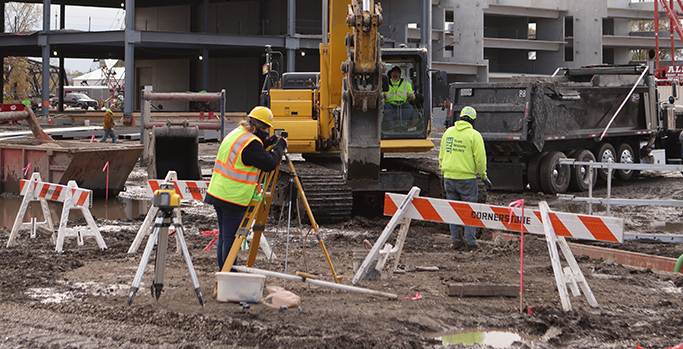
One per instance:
(330,199)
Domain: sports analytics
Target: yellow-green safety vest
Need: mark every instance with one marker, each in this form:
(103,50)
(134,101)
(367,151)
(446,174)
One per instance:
(232,180)
(398,94)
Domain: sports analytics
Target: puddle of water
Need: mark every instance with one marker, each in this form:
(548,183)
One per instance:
(668,226)
(496,339)
(114,208)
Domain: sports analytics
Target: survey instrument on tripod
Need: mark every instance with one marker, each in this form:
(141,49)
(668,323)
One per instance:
(166,199)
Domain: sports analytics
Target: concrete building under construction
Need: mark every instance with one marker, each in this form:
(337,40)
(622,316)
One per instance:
(193,45)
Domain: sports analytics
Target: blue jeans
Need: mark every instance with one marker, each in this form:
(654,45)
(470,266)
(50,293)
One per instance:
(109,133)
(462,190)
(228,223)
(397,115)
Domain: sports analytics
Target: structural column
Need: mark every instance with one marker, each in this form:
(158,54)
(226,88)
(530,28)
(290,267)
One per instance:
(131,36)
(426,34)
(291,31)
(205,50)
(45,42)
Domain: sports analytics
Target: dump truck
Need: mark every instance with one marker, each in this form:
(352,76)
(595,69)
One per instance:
(596,113)
(336,117)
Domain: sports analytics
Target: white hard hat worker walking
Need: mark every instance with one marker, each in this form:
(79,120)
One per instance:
(241,158)
(461,157)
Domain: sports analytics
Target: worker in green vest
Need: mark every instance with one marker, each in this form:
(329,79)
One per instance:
(241,158)
(397,98)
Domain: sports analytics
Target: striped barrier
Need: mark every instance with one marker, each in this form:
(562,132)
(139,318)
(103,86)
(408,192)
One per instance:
(71,196)
(190,190)
(56,192)
(498,217)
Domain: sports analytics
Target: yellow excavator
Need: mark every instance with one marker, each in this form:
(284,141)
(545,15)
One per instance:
(338,113)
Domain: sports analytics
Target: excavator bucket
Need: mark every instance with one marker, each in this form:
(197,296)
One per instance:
(174,148)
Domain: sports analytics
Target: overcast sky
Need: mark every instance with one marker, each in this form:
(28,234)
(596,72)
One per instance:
(87,19)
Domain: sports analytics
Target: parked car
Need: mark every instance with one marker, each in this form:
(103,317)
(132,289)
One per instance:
(78,100)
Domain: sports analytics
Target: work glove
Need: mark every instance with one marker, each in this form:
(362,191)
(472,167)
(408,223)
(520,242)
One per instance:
(488,184)
(270,141)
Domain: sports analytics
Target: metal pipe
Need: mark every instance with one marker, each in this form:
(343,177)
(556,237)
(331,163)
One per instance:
(647,68)
(13,115)
(314,281)
(182,96)
(222,114)
(609,186)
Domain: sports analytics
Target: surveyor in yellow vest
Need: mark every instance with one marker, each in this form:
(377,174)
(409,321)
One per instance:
(241,158)
(397,107)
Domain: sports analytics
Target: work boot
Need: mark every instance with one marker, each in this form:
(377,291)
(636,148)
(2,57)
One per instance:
(472,247)
(458,245)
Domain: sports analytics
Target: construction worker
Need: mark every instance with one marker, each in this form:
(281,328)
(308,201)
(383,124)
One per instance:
(397,109)
(108,125)
(241,158)
(461,157)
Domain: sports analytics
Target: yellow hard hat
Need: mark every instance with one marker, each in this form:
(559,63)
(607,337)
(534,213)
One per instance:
(262,114)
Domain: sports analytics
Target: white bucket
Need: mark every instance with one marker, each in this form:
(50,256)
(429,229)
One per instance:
(87,122)
(239,287)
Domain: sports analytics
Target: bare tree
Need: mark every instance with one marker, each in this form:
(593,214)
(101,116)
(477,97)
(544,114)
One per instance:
(19,18)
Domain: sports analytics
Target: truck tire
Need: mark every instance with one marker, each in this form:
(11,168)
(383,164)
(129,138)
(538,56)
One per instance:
(580,181)
(533,172)
(604,154)
(625,156)
(554,176)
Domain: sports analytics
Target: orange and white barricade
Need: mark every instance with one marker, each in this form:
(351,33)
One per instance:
(570,225)
(72,198)
(554,225)
(188,190)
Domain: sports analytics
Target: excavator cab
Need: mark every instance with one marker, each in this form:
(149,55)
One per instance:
(406,128)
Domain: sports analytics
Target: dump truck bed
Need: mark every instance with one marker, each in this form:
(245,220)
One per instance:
(524,116)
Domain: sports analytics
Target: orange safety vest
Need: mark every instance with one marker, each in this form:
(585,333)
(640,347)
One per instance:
(232,180)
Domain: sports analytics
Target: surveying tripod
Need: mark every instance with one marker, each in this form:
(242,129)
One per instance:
(166,200)
(257,214)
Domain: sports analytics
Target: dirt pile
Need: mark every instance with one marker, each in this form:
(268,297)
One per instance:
(78,298)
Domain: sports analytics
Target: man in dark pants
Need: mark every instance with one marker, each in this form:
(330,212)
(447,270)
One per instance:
(461,157)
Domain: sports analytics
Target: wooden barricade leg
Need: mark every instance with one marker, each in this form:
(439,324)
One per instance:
(63,232)
(18,221)
(145,229)
(402,233)
(374,252)
(571,275)
(30,196)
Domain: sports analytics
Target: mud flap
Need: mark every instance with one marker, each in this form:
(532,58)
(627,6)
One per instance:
(505,176)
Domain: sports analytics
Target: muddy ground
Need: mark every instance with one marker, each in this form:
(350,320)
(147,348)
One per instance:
(77,299)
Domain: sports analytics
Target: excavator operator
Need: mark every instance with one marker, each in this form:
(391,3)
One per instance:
(397,107)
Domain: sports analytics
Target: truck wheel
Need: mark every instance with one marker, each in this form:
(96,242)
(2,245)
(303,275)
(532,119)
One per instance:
(605,154)
(554,176)
(625,156)
(580,181)
(533,172)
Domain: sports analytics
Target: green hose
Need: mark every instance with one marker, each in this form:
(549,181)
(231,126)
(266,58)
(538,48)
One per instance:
(678,264)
